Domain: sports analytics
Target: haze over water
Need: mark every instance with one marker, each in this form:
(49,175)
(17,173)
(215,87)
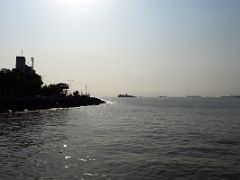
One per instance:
(139,138)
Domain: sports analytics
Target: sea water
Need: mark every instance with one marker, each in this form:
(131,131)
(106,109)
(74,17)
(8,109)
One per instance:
(126,138)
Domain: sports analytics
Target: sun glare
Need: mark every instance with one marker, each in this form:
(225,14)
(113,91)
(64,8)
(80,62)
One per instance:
(81,5)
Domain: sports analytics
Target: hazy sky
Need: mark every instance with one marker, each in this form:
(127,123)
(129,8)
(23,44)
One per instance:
(143,47)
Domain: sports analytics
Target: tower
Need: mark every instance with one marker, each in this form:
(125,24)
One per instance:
(20,63)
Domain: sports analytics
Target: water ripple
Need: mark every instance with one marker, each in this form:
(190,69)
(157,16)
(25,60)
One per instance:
(142,138)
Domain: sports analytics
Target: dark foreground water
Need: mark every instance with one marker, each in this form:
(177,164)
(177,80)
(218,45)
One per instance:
(142,138)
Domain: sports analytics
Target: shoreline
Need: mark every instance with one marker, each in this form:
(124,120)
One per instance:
(18,104)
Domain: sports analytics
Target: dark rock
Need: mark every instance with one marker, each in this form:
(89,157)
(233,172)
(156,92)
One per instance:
(37,103)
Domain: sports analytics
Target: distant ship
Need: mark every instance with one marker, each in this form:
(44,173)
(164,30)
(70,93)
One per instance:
(126,95)
(194,96)
(232,96)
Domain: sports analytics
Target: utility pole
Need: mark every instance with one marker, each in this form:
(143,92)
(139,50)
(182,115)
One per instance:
(86,90)
(87,93)
(70,85)
(32,59)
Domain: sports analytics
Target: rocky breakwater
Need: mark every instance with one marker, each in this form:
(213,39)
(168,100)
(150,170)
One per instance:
(37,103)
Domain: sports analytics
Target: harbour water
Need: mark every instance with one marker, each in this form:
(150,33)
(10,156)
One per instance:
(126,138)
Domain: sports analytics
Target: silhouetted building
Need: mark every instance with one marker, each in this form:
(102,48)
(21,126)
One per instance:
(22,67)
(20,63)
(29,70)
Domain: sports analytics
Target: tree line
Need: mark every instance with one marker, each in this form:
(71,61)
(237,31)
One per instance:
(20,84)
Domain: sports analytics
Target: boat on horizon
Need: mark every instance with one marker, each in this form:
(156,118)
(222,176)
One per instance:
(126,95)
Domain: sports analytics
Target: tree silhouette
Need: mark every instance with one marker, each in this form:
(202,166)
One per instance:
(15,83)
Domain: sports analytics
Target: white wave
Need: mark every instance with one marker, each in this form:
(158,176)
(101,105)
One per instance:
(110,102)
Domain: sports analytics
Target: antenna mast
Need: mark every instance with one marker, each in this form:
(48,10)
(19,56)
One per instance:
(32,59)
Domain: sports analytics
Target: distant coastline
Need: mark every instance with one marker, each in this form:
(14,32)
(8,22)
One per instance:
(194,96)
(232,96)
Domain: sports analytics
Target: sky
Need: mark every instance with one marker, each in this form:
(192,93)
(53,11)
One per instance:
(140,47)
